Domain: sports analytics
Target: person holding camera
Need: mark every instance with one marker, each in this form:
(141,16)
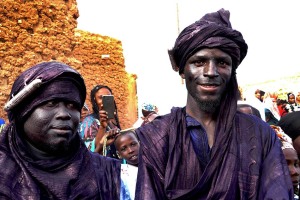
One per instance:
(102,125)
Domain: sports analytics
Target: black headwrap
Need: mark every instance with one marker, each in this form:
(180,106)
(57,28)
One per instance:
(213,30)
(58,81)
(290,124)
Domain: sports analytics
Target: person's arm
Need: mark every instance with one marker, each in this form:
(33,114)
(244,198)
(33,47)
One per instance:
(150,183)
(102,135)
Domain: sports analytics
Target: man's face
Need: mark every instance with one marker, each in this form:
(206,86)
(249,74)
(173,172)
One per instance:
(52,126)
(207,73)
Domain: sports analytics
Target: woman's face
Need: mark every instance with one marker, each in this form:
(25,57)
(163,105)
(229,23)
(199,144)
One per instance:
(291,99)
(293,164)
(99,94)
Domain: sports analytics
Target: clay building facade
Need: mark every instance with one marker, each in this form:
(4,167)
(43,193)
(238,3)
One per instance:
(35,31)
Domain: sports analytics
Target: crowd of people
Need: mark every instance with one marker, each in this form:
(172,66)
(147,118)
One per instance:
(217,146)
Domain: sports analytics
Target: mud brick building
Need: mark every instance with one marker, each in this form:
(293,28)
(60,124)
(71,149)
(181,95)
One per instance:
(32,31)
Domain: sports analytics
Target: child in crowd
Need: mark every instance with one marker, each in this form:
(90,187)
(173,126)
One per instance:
(291,105)
(127,146)
(291,157)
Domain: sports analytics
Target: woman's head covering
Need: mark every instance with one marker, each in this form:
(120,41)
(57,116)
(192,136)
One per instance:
(44,82)
(290,124)
(286,141)
(213,30)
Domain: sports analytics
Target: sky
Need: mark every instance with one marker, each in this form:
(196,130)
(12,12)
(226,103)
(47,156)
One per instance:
(147,29)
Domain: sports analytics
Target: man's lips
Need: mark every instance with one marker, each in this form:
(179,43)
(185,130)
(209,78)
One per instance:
(210,87)
(62,129)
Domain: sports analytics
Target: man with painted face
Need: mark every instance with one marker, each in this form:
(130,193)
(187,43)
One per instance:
(208,150)
(41,153)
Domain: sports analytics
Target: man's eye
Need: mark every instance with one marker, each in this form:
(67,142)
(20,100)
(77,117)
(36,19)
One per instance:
(199,63)
(51,103)
(71,105)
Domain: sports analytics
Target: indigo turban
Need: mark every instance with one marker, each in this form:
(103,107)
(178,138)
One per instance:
(213,30)
(56,81)
(290,124)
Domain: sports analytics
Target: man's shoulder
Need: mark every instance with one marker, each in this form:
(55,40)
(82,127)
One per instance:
(252,126)
(250,119)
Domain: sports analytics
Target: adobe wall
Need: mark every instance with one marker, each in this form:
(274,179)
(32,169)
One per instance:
(36,31)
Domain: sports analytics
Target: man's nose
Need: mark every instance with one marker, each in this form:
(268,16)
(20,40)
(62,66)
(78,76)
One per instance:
(211,69)
(62,111)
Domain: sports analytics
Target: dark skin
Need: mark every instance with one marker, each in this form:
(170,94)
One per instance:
(293,165)
(206,73)
(128,146)
(104,121)
(51,127)
(291,99)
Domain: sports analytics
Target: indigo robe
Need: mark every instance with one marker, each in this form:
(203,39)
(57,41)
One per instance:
(248,164)
(82,175)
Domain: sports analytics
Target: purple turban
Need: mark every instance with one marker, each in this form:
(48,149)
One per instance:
(213,30)
(57,81)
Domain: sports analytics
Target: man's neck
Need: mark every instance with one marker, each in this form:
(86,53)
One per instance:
(207,120)
(37,152)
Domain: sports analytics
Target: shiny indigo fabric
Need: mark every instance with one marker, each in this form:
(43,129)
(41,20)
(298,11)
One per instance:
(79,174)
(47,72)
(247,165)
(82,175)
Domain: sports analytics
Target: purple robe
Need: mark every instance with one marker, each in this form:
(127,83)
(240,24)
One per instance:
(82,175)
(247,163)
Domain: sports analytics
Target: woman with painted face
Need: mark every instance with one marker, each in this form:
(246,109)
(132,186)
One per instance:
(41,153)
